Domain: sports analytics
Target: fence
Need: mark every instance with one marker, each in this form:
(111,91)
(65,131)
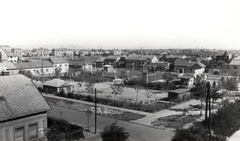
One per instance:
(69,136)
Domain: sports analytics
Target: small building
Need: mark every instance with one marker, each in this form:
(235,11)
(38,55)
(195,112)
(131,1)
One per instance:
(56,86)
(108,68)
(99,63)
(23,112)
(179,95)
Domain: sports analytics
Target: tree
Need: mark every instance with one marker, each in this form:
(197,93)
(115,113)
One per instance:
(148,95)
(114,133)
(221,64)
(117,88)
(57,72)
(231,85)
(199,90)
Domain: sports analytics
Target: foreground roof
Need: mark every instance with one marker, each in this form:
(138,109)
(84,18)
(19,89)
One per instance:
(19,97)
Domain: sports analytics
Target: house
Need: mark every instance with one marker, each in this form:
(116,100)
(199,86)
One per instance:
(7,56)
(186,80)
(112,60)
(226,56)
(186,66)
(37,68)
(61,65)
(131,62)
(56,86)
(23,112)
(17,52)
(179,95)
(108,68)
(234,67)
(42,51)
(75,65)
(8,69)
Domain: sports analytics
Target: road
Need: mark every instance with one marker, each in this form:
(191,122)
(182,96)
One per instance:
(137,132)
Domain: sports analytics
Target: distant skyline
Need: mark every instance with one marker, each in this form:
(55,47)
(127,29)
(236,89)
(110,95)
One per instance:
(122,24)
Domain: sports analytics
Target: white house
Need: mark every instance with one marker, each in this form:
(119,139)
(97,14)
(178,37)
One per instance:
(60,64)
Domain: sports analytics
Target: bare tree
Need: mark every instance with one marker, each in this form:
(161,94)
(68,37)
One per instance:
(117,89)
(148,95)
(137,88)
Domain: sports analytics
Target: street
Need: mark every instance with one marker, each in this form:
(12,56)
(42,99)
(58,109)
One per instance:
(137,132)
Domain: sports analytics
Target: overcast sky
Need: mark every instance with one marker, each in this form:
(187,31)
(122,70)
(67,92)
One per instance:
(120,23)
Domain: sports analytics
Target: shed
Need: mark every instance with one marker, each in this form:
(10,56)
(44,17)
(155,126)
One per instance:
(179,95)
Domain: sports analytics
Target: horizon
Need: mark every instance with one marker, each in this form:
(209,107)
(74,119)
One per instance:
(121,24)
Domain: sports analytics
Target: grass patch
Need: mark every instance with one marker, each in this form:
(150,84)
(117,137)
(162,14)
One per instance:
(127,116)
(175,121)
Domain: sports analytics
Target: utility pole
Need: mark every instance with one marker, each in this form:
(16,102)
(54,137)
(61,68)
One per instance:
(209,108)
(95,111)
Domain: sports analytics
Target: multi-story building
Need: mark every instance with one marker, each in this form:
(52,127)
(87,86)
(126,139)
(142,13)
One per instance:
(131,62)
(112,60)
(23,110)
(144,62)
(17,52)
(61,65)
(42,51)
(62,52)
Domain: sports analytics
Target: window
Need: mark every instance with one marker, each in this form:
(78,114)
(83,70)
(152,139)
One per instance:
(66,65)
(19,134)
(235,67)
(60,65)
(32,132)
(55,65)
(46,69)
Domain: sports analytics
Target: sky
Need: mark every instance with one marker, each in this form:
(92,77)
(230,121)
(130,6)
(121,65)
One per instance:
(122,24)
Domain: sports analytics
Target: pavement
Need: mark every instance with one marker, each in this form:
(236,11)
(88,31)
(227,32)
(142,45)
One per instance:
(137,132)
(167,112)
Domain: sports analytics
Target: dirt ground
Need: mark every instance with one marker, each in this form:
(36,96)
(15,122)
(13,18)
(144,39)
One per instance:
(128,93)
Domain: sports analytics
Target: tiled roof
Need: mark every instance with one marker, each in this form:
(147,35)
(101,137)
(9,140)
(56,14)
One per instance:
(77,63)
(30,65)
(145,57)
(90,60)
(9,53)
(56,83)
(58,60)
(133,57)
(235,61)
(19,97)
(187,63)
(181,63)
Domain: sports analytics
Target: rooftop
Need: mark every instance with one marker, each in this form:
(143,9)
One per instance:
(235,61)
(58,60)
(56,83)
(19,97)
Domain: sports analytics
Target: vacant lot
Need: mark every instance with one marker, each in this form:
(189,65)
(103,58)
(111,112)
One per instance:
(128,93)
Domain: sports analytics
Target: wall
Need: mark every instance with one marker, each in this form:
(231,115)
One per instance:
(40,119)
(234,71)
